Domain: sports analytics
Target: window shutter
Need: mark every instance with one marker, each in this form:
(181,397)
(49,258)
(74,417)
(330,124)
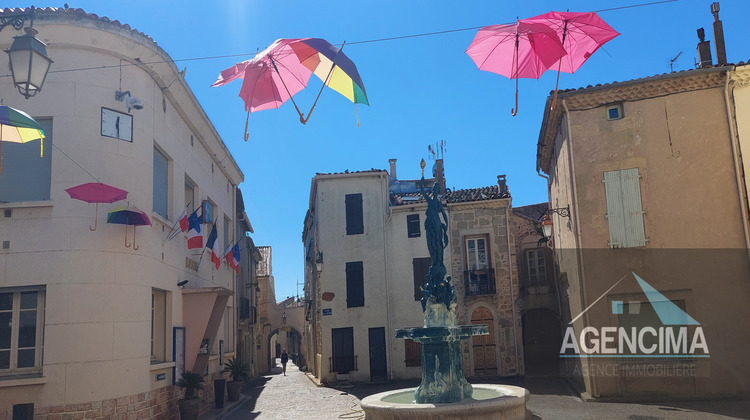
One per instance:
(421,266)
(624,208)
(355,287)
(412,352)
(160,196)
(412,226)
(354,217)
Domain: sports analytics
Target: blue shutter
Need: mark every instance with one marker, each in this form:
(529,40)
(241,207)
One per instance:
(160,194)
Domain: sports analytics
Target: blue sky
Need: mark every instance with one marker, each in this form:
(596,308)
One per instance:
(421,90)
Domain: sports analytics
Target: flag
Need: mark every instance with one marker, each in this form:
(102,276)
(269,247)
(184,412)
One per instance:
(235,258)
(232,256)
(213,244)
(184,224)
(195,238)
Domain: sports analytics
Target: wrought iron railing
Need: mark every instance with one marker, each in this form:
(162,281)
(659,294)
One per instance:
(479,282)
(342,364)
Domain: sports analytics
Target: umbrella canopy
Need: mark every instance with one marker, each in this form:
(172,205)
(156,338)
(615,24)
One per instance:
(517,50)
(128,215)
(96,192)
(581,35)
(18,127)
(269,79)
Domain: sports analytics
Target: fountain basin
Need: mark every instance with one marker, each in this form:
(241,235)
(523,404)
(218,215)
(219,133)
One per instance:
(488,402)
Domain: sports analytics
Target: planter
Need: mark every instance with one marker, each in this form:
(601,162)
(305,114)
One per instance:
(189,408)
(233,390)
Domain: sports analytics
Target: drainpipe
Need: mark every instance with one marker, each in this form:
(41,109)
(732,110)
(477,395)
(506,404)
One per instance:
(574,216)
(385,265)
(510,283)
(557,285)
(731,119)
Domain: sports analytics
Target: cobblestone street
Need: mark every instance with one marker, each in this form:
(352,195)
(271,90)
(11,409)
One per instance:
(295,396)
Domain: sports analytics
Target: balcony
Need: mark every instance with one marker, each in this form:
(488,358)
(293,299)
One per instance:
(479,282)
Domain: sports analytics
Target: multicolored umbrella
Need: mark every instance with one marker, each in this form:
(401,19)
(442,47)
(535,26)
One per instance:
(18,127)
(517,50)
(333,67)
(96,192)
(581,35)
(128,215)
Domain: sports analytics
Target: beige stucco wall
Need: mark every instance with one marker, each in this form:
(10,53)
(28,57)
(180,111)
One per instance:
(681,145)
(97,322)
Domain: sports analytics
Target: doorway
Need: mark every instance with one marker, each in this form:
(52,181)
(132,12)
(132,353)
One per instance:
(483,346)
(378,368)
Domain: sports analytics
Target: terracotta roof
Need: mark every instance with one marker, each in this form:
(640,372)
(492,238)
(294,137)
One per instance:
(492,192)
(40,13)
(533,212)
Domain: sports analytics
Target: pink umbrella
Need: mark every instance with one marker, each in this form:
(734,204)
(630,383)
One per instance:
(581,35)
(96,192)
(269,79)
(518,50)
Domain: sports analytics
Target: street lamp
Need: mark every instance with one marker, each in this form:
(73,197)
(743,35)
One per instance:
(283,318)
(29,62)
(319,262)
(547,226)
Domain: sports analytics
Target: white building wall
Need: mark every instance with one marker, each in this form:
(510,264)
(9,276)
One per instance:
(98,291)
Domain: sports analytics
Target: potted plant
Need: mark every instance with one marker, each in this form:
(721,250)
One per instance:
(239,371)
(190,405)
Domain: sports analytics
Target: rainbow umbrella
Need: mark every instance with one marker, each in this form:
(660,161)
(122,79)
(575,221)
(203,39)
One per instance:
(333,67)
(129,215)
(18,127)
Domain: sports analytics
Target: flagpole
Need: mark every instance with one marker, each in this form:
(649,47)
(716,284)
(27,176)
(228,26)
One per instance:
(174,227)
(206,246)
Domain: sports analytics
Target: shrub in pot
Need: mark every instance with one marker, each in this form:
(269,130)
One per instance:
(190,405)
(239,372)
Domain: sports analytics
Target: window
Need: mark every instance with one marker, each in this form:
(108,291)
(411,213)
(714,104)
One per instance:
(412,226)
(209,209)
(413,353)
(26,176)
(614,112)
(158,325)
(21,328)
(355,287)
(624,208)
(342,350)
(421,267)
(479,277)
(354,217)
(189,195)
(161,182)
(227,224)
(537,269)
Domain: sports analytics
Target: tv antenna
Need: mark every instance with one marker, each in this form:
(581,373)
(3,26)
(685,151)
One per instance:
(672,60)
(438,151)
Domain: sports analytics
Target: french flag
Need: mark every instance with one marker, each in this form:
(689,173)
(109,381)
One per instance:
(184,224)
(195,238)
(213,243)
(232,256)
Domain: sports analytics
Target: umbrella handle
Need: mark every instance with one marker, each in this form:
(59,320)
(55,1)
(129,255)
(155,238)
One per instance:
(127,245)
(554,98)
(514,111)
(135,247)
(96,219)
(246,121)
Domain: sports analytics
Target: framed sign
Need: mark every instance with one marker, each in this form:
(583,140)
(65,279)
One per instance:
(178,353)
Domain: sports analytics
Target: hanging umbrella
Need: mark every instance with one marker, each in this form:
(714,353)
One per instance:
(18,127)
(96,192)
(581,35)
(333,67)
(269,79)
(128,215)
(517,50)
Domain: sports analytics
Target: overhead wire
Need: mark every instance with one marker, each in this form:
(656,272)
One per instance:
(394,38)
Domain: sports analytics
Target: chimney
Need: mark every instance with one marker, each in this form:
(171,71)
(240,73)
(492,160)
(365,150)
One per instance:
(704,50)
(501,183)
(439,175)
(721,51)
(392,172)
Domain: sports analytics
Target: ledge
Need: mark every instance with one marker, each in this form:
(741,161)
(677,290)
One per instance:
(160,366)
(26,204)
(38,380)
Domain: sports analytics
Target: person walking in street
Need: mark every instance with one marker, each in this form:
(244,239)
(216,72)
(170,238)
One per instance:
(284,359)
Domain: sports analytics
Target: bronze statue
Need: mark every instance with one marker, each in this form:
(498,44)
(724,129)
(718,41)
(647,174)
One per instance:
(435,229)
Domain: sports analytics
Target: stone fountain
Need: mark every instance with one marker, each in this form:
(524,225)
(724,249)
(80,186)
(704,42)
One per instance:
(444,392)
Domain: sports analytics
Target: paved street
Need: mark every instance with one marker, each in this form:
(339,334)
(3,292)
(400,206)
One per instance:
(295,396)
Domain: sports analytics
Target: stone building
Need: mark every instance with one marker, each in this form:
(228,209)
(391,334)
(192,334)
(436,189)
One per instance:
(102,322)
(640,165)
